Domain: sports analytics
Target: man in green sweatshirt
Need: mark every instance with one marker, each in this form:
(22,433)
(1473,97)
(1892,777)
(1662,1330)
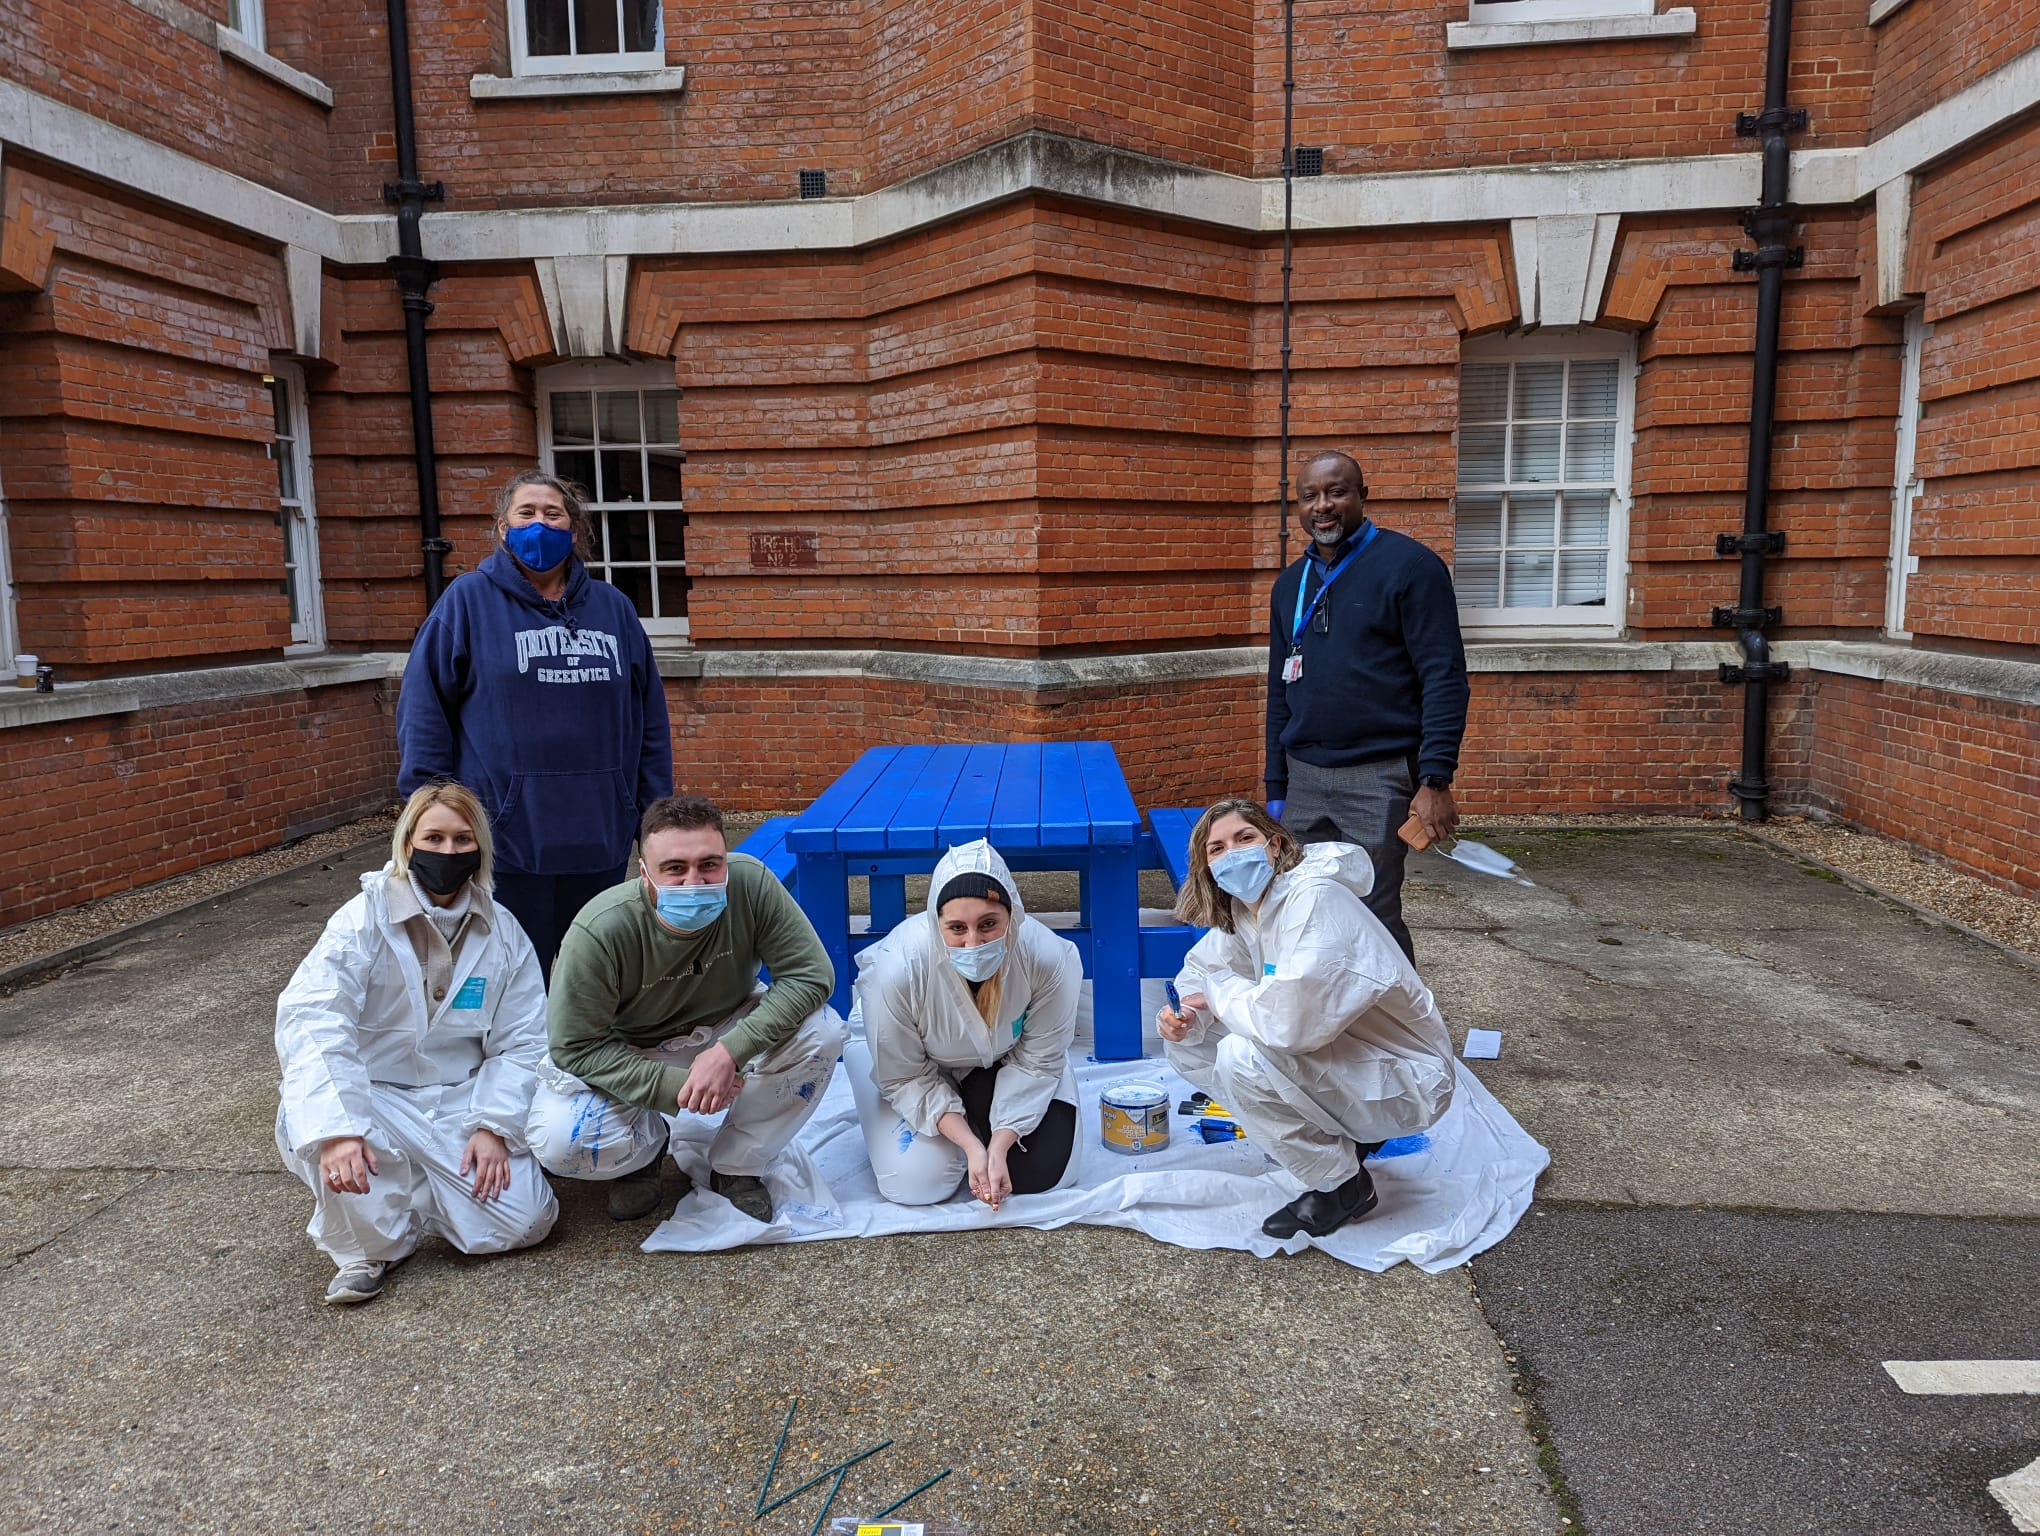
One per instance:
(656,1009)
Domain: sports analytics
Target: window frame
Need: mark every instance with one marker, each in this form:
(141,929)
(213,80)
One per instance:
(1906,485)
(525,64)
(1570,622)
(10,636)
(301,580)
(246,21)
(580,378)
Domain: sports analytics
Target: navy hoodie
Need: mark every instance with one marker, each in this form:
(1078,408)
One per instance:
(1384,672)
(552,713)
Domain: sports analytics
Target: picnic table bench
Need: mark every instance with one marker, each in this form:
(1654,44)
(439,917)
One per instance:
(1057,805)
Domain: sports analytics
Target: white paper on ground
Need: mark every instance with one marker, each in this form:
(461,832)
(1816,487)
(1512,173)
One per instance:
(1445,1196)
(1483,1045)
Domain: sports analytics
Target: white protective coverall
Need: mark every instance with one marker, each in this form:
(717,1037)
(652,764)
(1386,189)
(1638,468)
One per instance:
(1324,1035)
(366,1053)
(923,1031)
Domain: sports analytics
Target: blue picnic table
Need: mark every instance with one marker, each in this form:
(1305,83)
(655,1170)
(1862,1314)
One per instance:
(1057,805)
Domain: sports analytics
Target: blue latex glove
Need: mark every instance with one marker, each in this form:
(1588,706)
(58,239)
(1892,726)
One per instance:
(1275,808)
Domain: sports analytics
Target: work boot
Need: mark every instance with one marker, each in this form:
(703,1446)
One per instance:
(1322,1212)
(357,1282)
(746,1192)
(636,1195)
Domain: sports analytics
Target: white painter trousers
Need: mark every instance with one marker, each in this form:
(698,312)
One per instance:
(417,1189)
(1309,1111)
(581,1133)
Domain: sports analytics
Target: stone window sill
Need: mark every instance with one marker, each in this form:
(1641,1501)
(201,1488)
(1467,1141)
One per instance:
(1879,9)
(156,690)
(1461,36)
(635,82)
(245,53)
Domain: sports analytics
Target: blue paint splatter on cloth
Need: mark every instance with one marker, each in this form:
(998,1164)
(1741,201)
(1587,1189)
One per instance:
(1403,1146)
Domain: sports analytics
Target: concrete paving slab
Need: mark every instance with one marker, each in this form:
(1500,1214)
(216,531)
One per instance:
(37,1204)
(168,1364)
(1721,1374)
(1670,1055)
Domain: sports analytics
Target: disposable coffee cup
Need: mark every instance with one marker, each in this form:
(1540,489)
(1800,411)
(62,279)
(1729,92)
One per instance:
(24,671)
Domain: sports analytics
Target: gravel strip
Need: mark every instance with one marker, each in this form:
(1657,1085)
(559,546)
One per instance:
(61,930)
(1892,866)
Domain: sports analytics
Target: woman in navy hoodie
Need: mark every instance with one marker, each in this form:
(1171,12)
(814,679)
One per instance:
(533,683)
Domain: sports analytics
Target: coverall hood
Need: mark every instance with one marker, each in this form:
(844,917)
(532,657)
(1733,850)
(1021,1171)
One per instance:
(978,858)
(1345,863)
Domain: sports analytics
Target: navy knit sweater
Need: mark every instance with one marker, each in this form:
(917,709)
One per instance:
(1384,673)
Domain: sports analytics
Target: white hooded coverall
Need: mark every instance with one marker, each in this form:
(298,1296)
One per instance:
(923,1031)
(1318,1033)
(365,1052)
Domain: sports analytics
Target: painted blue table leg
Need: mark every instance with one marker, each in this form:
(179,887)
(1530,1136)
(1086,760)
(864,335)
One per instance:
(1084,897)
(888,902)
(825,897)
(1115,953)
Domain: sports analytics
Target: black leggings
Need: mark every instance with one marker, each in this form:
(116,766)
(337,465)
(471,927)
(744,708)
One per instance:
(1037,1163)
(545,906)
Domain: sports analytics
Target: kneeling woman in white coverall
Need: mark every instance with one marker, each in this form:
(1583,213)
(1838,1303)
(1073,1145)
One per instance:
(1300,1014)
(409,1038)
(968,1015)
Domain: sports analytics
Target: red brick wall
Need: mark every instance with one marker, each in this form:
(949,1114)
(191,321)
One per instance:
(123,800)
(1931,49)
(134,427)
(1946,772)
(1976,526)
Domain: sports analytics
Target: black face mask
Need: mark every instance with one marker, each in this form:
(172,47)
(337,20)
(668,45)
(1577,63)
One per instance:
(444,873)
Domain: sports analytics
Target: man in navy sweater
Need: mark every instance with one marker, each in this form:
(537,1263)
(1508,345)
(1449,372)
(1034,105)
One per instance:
(1367,684)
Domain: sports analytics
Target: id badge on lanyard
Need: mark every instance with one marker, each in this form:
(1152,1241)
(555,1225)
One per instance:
(1292,667)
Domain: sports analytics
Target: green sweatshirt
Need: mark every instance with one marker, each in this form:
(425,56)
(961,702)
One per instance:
(624,979)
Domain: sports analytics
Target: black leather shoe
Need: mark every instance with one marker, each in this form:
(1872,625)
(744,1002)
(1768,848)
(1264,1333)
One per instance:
(747,1193)
(636,1195)
(1322,1212)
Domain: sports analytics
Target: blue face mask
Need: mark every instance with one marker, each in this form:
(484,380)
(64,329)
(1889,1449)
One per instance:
(1243,872)
(981,963)
(691,908)
(539,546)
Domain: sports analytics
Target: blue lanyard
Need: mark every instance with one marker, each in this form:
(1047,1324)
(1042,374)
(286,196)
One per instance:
(1304,617)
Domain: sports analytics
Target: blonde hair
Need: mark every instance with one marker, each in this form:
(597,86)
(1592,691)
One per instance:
(460,800)
(1200,902)
(571,496)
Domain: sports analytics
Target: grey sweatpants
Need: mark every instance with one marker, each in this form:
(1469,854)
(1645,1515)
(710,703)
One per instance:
(1364,805)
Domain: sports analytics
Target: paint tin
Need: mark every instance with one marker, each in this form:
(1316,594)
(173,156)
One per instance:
(1133,1117)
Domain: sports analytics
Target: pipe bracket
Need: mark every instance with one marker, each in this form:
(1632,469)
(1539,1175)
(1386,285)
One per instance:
(1748,125)
(1755,671)
(1771,543)
(399,192)
(436,546)
(1769,256)
(1747,618)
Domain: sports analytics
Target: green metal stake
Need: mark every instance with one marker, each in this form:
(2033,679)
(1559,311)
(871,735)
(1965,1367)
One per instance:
(829,1502)
(918,1491)
(758,1505)
(841,1466)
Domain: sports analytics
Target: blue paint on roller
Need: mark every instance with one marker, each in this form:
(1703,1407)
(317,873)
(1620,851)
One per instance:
(1403,1146)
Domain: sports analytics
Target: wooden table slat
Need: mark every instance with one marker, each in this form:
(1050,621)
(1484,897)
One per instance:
(1065,808)
(968,815)
(865,827)
(1016,808)
(814,829)
(913,827)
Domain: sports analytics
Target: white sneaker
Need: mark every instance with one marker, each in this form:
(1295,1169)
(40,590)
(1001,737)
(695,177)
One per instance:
(356,1282)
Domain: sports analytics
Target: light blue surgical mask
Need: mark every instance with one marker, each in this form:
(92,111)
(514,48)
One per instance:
(1243,872)
(691,907)
(540,546)
(981,963)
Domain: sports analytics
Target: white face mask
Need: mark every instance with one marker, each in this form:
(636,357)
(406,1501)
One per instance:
(981,963)
(1243,872)
(1478,856)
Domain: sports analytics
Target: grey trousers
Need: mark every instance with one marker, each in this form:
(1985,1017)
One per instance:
(1363,805)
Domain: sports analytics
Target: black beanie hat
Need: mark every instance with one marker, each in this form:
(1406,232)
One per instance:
(974,883)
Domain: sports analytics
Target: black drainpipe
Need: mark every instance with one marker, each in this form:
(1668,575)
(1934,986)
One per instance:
(1769,224)
(1288,253)
(415,277)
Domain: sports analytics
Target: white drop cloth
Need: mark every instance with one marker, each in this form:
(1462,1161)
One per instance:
(1462,1192)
